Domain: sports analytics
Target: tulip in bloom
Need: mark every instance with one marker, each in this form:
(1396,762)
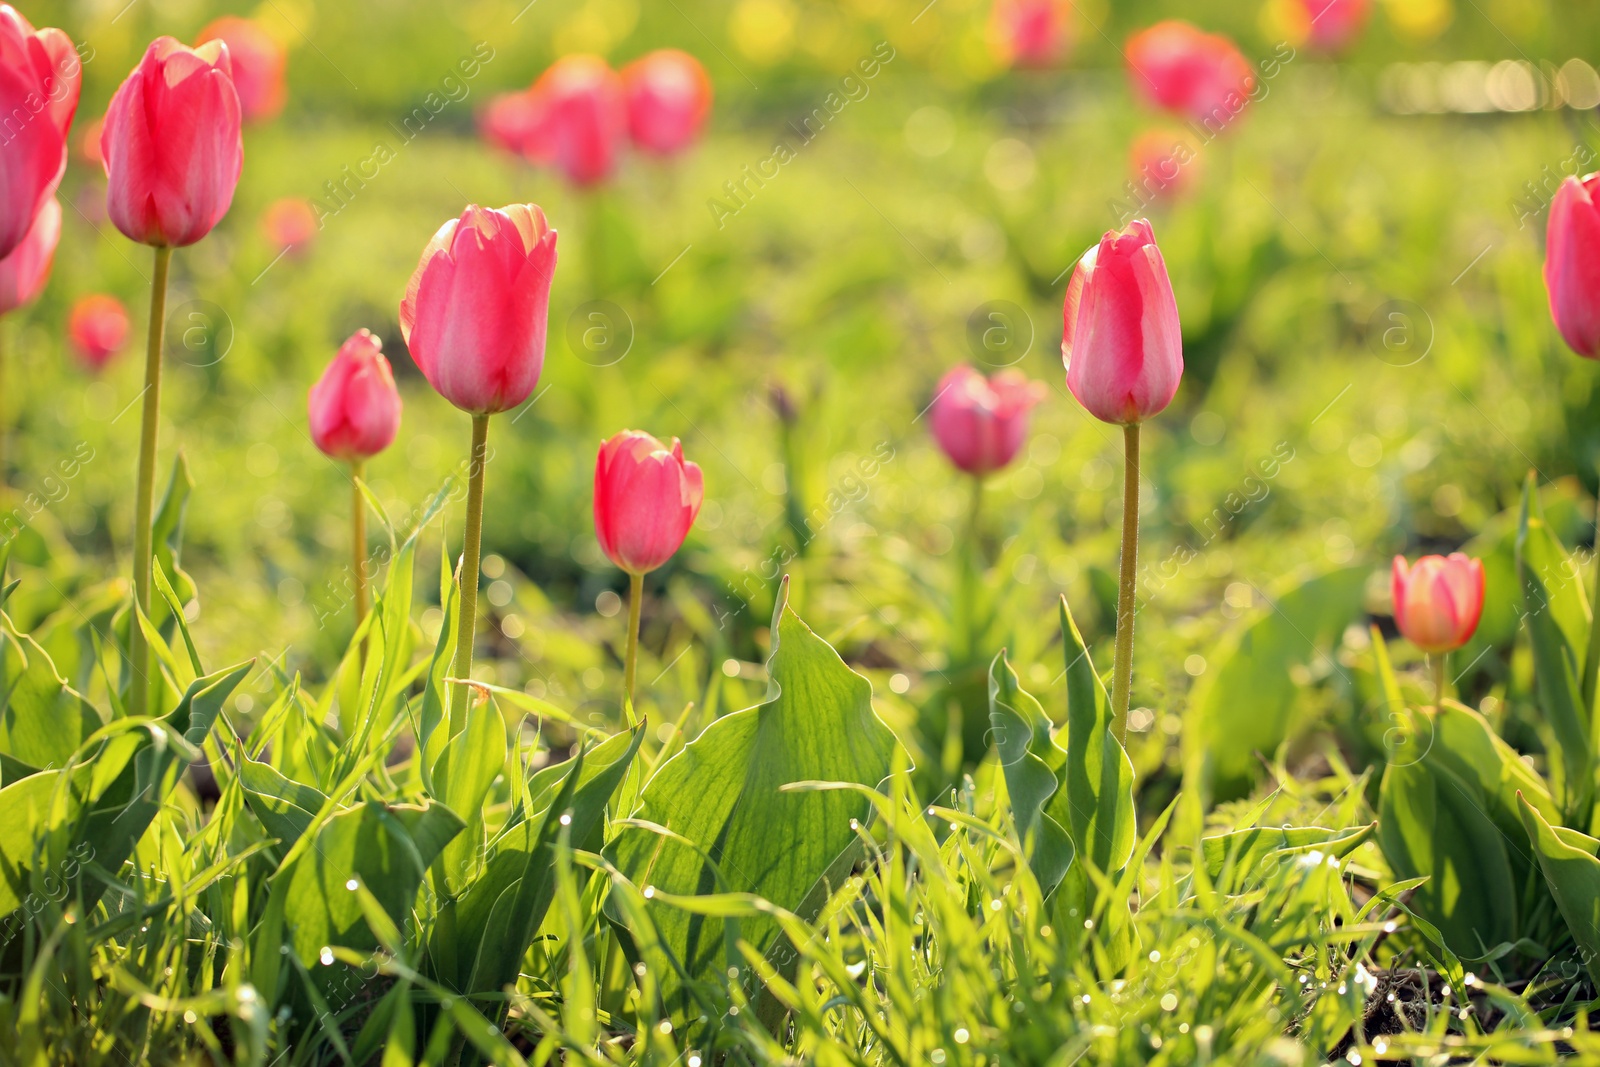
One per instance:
(1200,76)
(580,119)
(981,423)
(668,96)
(24,272)
(1331,25)
(354,407)
(290,225)
(509,121)
(1030,33)
(474,313)
(40,73)
(172,144)
(646,497)
(1438,600)
(1163,164)
(258,65)
(98,327)
(1122,343)
(1572,264)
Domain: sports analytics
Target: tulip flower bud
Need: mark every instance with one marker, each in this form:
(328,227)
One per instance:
(98,327)
(474,314)
(1331,25)
(646,498)
(290,225)
(40,74)
(1200,76)
(24,272)
(1121,340)
(1572,264)
(258,65)
(509,121)
(1438,600)
(354,407)
(981,423)
(1030,33)
(580,119)
(172,145)
(1163,164)
(668,96)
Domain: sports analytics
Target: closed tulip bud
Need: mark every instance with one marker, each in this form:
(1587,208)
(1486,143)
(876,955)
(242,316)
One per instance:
(1572,264)
(172,144)
(1438,600)
(1332,25)
(98,327)
(40,73)
(580,119)
(1200,76)
(1163,164)
(669,97)
(646,497)
(290,225)
(1030,33)
(258,61)
(981,423)
(1121,340)
(354,407)
(24,272)
(474,314)
(509,121)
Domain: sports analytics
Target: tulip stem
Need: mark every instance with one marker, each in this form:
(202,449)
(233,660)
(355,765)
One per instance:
(1438,680)
(971,574)
(1122,672)
(144,490)
(358,548)
(470,562)
(630,666)
(1591,661)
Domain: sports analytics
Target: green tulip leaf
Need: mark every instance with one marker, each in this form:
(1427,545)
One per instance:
(1034,766)
(1098,800)
(1244,850)
(284,806)
(1572,870)
(43,720)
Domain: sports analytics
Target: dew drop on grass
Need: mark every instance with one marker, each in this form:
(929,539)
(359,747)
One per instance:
(352,885)
(665,1027)
(566,818)
(961,1035)
(326,956)
(649,892)
(1155,956)
(1169,1002)
(190,1017)
(638,969)
(1354,1057)
(694,1059)
(936,1056)
(1183,1028)
(1086,998)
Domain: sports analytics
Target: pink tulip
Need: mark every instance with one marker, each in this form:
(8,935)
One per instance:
(1200,76)
(172,144)
(1163,164)
(668,96)
(258,65)
(1572,264)
(474,314)
(1030,33)
(290,225)
(1331,25)
(646,498)
(580,119)
(98,327)
(1438,600)
(1121,340)
(24,272)
(354,407)
(509,121)
(981,423)
(40,73)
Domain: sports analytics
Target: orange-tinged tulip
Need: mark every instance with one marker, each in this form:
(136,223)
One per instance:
(1181,69)
(24,272)
(1332,25)
(258,65)
(354,408)
(669,98)
(646,497)
(290,225)
(40,74)
(1438,600)
(1163,164)
(1030,33)
(98,327)
(580,119)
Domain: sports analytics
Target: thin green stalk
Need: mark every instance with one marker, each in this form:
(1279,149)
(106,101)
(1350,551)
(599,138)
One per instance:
(144,490)
(1122,671)
(1438,680)
(1591,661)
(358,549)
(631,663)
(971,572)
(470,563)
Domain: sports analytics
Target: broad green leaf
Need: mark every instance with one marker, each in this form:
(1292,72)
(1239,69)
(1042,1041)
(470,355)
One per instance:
(1245,702)
(284,807)
(1572,871)
(724,794)
(472,760)
(1432,824)
(1463,741)
(1557,618)
(1098,800)
(43,720)
(1033,767)
(1244,849)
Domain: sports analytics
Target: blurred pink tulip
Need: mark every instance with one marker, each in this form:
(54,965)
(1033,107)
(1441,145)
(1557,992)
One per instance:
(355,408)
(509,121)
(40,74)
(1572,264)
(980,423)
(24,272)
(172,144)
(669,97)
(1121,340)
(1438,600)
(1163,163)
(259,62)
(1332,25)
(1200,76)
(646,498)
(1030,33)
(98,328)
(475,311)
(290,225)
(580,119)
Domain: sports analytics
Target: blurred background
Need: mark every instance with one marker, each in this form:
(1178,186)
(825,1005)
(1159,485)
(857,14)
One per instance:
(1370,363)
